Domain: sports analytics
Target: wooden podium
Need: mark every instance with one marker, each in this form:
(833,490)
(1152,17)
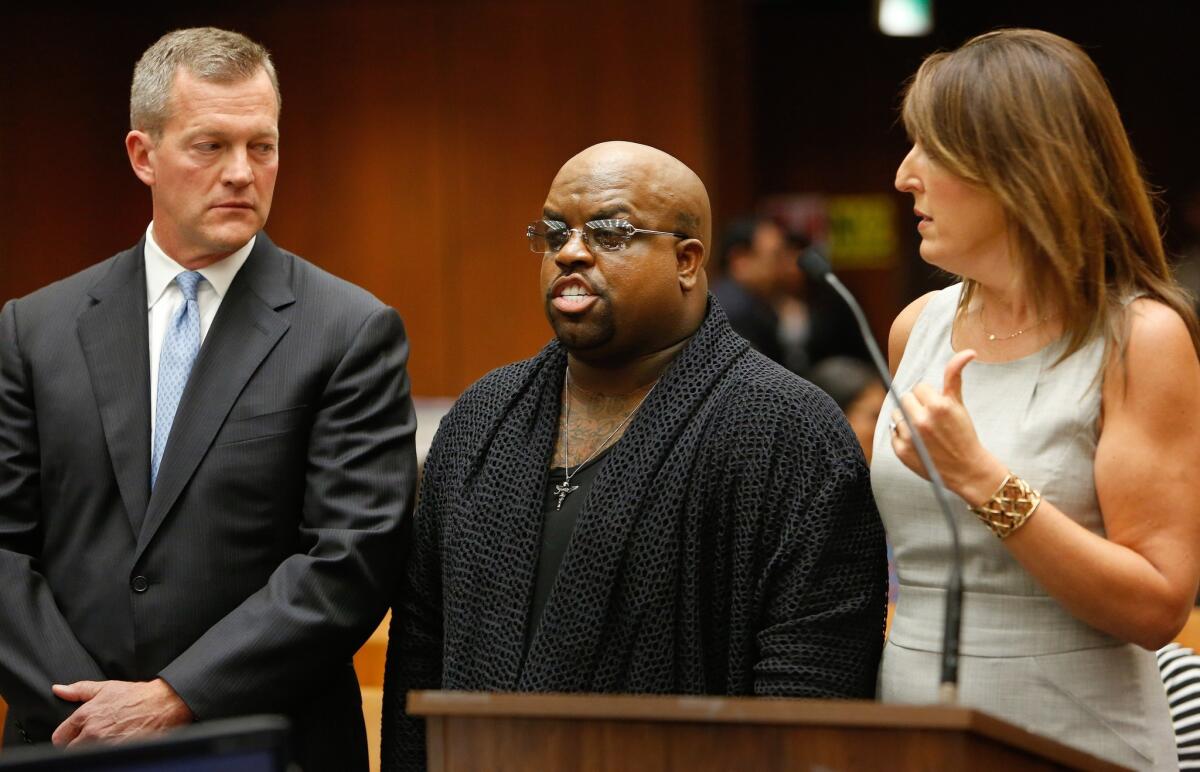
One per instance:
(599,733)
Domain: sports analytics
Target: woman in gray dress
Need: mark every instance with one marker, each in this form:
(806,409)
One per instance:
(1058,389)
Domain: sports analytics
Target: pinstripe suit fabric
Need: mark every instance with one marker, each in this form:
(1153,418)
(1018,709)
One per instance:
(267,549)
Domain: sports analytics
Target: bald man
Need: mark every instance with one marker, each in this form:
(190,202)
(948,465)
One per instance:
(647,505)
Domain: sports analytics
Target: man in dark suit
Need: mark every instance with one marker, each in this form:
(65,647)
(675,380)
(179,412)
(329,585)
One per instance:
(206,448)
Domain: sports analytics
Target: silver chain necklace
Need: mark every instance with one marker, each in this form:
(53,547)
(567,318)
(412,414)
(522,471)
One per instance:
(564,488)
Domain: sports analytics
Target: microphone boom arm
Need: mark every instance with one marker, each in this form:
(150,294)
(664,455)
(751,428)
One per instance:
(815,264)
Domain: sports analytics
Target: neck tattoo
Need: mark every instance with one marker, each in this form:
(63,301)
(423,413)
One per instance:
(564,488)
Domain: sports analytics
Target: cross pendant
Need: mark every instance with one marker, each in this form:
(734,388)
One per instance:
(563,489)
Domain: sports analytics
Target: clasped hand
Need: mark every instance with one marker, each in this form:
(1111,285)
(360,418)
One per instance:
(967,468)
(118,710)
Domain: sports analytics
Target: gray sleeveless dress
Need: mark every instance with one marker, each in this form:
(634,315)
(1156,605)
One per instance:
(1024,658)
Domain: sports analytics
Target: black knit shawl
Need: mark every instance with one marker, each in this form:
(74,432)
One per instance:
(730,544)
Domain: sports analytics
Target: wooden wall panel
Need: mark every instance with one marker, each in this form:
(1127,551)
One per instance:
(67,196)
(362,152)
(418,139)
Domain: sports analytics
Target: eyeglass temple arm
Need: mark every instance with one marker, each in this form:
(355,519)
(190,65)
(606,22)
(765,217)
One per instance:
(662,233)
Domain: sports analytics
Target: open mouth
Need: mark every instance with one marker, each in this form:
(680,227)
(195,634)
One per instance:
(573,297)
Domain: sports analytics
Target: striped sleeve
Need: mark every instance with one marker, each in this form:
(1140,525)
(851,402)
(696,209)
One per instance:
(1180,669)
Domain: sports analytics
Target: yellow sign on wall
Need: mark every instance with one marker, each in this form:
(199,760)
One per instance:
(862,231)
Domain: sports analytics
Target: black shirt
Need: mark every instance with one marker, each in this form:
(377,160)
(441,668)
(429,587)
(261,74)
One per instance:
(557,526)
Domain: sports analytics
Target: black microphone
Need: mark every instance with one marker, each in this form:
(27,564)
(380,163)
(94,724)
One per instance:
(816,266)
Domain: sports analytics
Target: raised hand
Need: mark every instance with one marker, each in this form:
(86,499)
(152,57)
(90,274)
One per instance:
(967,467)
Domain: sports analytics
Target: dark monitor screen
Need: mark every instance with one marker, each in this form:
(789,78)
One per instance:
(262,761)
(255,744)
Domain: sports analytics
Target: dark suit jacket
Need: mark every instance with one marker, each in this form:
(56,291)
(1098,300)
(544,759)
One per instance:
(267,551)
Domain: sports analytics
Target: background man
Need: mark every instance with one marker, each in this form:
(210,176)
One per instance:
(769,303)
(759,279)
(648,505)
(206,448)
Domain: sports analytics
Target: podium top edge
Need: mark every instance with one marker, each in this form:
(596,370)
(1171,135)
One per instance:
(846,714)
(658,707)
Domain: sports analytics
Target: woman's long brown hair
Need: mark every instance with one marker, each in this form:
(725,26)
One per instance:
(1027,115)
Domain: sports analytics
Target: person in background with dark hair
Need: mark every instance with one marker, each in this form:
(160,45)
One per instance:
(1057,388)
(757,265)
(770,303)
(856,388)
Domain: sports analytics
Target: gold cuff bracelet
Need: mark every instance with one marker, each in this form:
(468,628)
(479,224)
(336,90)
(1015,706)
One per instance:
(1010,506)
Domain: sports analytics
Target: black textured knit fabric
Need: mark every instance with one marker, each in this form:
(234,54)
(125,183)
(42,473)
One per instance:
(730,545)
(558,523)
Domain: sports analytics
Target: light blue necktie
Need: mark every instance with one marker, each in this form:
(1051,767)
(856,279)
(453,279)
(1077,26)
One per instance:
(179,349)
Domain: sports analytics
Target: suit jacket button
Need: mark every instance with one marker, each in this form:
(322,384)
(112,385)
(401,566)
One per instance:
(140,584)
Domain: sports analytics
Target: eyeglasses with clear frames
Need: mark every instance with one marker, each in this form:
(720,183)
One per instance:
(549,236)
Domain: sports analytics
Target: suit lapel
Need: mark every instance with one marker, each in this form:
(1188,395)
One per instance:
(113,335)
(243,333)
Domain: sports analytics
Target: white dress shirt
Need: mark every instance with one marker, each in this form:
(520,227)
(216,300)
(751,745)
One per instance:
(163,298)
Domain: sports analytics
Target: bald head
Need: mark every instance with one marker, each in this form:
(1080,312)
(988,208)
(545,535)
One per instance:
(662,182)
(646,294)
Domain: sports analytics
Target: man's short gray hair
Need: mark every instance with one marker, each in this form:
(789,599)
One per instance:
(208,53)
